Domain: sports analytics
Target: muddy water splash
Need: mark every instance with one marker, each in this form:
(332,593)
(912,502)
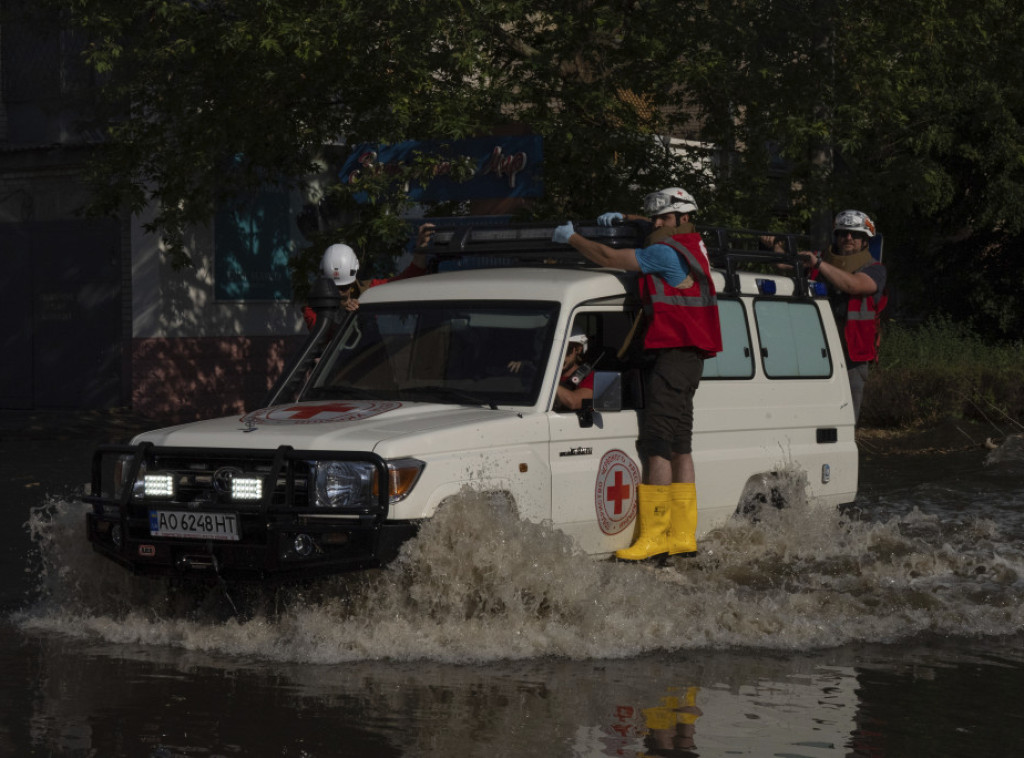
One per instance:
(479,584)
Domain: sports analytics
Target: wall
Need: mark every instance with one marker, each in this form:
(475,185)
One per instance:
(96,317)
(193,355)
(61,286)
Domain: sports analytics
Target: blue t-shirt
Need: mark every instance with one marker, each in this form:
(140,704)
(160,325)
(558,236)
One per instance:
(661,260)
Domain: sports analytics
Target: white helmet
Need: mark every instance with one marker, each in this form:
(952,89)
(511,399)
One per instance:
(669,200)
(854,221)
(578,336)
(340,264)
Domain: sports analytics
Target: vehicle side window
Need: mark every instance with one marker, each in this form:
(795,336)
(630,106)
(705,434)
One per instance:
(736,360)
(792,340)
(608,333)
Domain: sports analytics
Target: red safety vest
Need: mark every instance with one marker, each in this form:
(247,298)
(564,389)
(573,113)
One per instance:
(683,317)
(861,330)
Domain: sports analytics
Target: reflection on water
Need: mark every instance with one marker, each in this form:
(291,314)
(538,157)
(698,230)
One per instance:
(928,699)
(492,636)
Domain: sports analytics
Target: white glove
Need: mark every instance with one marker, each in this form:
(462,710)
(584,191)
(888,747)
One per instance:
(563,233)
(608,219)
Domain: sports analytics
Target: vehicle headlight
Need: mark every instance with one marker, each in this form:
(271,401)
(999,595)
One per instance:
(343,484)
(147,484)
(353,484)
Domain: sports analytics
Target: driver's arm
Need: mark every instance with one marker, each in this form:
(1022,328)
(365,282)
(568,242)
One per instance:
(572,400)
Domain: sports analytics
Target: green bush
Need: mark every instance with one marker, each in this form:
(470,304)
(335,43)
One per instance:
(943,369)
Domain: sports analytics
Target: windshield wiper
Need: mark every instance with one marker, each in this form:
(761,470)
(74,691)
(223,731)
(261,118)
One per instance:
(448,393)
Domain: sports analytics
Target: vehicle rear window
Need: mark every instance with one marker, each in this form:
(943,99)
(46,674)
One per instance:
(792,339)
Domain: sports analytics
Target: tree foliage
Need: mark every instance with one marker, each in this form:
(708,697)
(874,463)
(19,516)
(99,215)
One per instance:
(205,99)
(208,98)
(911,111)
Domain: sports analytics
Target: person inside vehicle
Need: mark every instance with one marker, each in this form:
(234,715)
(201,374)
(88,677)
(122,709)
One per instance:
(340,264)
(576,383)
(683,329)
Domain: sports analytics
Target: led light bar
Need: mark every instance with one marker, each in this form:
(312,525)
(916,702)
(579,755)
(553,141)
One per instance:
(158,485)
(243,488)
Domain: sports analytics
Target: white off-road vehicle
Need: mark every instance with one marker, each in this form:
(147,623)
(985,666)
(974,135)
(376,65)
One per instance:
(447,382)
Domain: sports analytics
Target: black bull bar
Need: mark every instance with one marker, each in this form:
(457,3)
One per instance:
(282,535)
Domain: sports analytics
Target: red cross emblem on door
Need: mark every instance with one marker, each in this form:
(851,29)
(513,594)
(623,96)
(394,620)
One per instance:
(618,493)
(615,491)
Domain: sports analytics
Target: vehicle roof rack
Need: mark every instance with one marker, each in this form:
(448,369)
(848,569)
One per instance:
(530,244)
(522,244)
(729,248)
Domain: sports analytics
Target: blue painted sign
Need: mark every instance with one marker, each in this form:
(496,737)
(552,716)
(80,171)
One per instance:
(504,167)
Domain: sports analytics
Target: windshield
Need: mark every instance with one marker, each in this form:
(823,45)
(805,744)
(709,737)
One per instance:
(473,353)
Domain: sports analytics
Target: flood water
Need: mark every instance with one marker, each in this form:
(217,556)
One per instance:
(894,627)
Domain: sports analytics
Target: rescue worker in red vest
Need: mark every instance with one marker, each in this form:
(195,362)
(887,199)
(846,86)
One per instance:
(856,285)
(683,329)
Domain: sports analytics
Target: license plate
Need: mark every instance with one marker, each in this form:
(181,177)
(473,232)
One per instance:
(194,525)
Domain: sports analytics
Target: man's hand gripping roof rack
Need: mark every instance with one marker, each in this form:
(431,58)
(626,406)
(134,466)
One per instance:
(466,246)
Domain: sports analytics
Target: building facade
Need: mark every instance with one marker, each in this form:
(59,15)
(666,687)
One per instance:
(96,316)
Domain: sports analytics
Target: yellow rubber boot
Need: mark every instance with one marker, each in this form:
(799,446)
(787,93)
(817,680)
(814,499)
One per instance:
(689,713)
(661,717)
(653,507)
(682,533)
